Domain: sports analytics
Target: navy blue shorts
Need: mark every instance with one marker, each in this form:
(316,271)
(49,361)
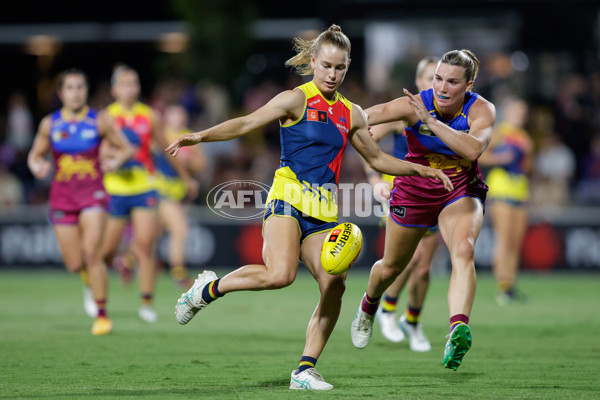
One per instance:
(308,225)
(121,206)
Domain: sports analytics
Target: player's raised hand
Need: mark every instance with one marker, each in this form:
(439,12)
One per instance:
(418,106)
(188,139)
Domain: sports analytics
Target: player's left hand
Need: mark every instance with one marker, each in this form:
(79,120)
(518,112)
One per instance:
(418,106)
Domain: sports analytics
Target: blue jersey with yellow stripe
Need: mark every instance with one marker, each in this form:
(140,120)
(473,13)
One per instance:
(509,182)
(311,155)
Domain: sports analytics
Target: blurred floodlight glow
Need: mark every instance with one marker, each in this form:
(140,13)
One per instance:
(519,61)
(173,42)
(42,45)
(308,34)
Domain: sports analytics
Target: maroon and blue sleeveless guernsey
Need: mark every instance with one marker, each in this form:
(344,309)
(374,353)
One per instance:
(417,201)
(425,148)
(77,181)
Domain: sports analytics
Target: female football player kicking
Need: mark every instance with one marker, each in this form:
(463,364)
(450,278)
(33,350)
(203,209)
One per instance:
(316,124)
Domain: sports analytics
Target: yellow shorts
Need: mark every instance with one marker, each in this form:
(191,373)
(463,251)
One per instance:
(506,186)
(173,189)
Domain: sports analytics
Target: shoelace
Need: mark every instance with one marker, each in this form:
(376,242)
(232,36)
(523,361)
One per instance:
(313,372)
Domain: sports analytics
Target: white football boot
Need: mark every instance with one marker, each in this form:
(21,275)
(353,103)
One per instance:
(309,379)
(362,328)
(89,304)
(147,314)
(389,327)
(191,301)
(417,339)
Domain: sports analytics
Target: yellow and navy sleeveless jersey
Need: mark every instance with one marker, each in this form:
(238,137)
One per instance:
(425,148)
(169,184)
(136,175)
(311,155)
(509,182)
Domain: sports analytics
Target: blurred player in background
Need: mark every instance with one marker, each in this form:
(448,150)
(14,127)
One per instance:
(448,128)
(173,190)
(316,124)
(510,158)
(416,272)
(78,201)
(132,189)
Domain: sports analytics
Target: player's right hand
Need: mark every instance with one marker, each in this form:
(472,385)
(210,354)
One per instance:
(438,175)
(41,169)
(188,139)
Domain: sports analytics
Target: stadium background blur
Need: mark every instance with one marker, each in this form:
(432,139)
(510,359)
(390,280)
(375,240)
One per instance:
(222,59)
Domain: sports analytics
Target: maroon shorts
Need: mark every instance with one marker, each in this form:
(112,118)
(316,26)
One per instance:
(61,217)
(412,210)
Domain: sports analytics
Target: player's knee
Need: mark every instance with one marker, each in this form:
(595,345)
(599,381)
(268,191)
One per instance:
(74,267)
(143,249)
(334,287)
(389,270)
(465,250)
(391,273)
(422,273)
(280,280)
(91,257)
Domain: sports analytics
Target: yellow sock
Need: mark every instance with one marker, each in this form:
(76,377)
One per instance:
(84,276)
(178,272)
(412,315)
(504,285)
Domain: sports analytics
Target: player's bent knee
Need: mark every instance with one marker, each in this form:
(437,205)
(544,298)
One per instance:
(465,250)
(74,268)
(279,281)
(335,286)
(390,271)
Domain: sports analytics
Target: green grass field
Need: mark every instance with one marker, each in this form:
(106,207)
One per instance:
(245,345)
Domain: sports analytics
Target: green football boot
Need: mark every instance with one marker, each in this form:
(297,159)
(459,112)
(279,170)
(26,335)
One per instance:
(457,346)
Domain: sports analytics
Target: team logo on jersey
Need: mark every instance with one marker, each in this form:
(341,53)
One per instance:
(398,211)
(440,161)
(69,166)
(316,115)
(57,135)
(88,134)
(424,130)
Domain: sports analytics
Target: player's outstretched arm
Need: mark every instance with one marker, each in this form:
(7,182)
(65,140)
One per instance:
(383,162)
(286,105)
